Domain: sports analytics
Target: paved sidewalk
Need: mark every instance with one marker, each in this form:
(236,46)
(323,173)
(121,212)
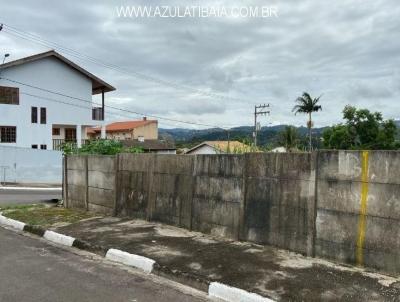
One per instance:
(274,273)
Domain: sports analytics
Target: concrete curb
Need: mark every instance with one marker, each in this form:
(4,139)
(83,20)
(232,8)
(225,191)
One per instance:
(143,263)
(233,294)
(59,238)
(12,223)
(214,289)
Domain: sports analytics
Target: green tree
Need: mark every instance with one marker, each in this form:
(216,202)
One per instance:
(289,138)
(307,105)
(362,130)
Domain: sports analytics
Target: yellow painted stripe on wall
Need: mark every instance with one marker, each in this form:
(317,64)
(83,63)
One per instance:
(363,208)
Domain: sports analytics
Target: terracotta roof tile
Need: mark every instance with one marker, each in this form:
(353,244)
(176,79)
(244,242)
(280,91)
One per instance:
(123,126)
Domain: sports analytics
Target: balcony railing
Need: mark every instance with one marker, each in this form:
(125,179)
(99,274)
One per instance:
(58,143)
(97,114)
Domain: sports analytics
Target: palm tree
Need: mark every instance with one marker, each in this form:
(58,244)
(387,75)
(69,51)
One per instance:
(306,104)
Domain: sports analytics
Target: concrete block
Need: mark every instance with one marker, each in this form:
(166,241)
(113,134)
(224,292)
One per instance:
(173,164)
(280,165)
(59,238)
(12,223)
(140,262)
(103,163)
(102,197)
(226,165)
(100,209)
(223,188)
(233,294)
(100,179)
(339,227)
(76,162)
(76,196)
(135,162)
(76,177)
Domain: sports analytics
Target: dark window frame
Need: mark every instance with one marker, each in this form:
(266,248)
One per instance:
(43,147)
(34,115)
(8,134)
(43,115)
(56,131)
(34,146)
(9,95)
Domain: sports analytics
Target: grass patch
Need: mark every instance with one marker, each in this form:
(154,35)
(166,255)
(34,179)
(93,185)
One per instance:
(44,215)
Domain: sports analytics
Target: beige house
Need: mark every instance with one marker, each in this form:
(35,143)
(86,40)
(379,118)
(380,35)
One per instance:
(140,130)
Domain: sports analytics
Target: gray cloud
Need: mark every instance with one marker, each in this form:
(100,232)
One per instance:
(349,52)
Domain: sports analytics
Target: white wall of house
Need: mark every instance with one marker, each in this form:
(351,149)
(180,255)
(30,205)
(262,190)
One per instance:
(24,165)
(204,149)
(52,74)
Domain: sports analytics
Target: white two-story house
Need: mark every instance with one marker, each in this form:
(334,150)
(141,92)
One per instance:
(46,100)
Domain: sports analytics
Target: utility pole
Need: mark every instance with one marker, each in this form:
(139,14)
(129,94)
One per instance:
(259,110)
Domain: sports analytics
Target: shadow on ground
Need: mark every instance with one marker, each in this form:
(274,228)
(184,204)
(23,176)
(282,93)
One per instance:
(277,274)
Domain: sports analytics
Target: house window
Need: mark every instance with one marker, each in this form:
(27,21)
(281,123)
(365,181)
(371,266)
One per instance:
(56,131)
(70,134)
(43,147)
(34,115)
(43,115)
(9,95)
(34,146)
(8,134)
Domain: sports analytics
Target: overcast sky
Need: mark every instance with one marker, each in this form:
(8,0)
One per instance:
(349,53)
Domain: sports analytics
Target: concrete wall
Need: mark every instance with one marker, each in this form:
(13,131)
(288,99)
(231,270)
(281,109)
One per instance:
(358,212)
(26,165)
(342,205)
(217,194)
(279,200)
(91,183)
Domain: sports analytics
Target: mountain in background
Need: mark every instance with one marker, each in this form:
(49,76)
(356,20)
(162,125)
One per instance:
(266,136)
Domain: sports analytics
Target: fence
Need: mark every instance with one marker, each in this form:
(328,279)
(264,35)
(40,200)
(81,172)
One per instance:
(333,204)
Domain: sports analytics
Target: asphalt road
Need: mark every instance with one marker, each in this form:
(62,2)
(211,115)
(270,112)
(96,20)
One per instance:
(21,196)
(33,270)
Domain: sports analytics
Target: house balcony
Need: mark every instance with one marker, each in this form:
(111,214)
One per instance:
(58,143)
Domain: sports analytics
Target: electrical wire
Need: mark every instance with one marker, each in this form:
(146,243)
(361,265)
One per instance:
(37,39)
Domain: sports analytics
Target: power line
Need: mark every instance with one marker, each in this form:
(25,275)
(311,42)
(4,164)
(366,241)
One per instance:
(37,39)
(108,106)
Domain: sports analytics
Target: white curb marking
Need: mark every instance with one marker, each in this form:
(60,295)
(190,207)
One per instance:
(12,223)
(234,294)
(59,238)
(29,189)
(143,263)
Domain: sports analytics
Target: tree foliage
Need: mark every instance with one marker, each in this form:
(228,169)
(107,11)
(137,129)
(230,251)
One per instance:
(362,130)
(289,138)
